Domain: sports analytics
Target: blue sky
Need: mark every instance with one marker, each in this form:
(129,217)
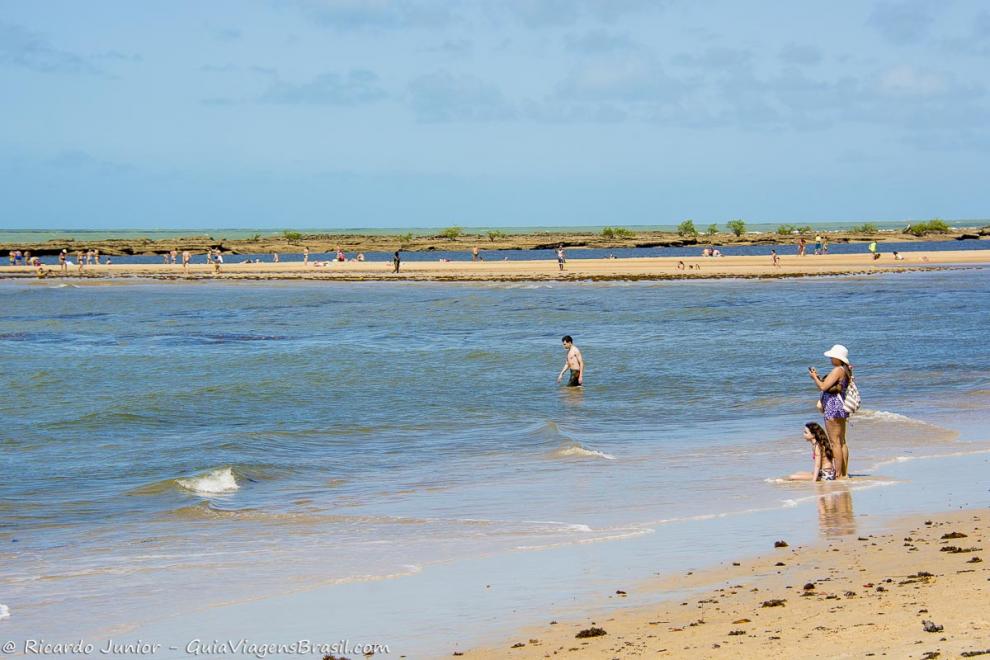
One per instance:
(394,113)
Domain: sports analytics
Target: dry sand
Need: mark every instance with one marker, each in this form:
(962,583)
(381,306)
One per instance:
(854,596)
(659,268)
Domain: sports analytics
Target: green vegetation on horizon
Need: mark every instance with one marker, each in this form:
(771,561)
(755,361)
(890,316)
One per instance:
(934,226)
(452,233)
(611,233)
(737,227)
(687,228)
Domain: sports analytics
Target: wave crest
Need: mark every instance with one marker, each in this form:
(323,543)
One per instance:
(577,451)
(214,482)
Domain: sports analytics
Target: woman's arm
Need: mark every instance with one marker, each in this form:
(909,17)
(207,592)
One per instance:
(817,474)
(829,381)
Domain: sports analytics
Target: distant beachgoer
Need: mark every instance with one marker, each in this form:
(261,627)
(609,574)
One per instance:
(173,255)
(360,256)
(824,244)
(109,261)
(80,261)
(802,246)
(165,258)
(821,454)
(10,258)
(474,253)
(874,251)
(186,257)
(680,265)
(833,389)
(218,257)
(716,252)
(574,361)
(775,258)
(706,252)
(396,262)
(62,256)
(305,255)
(27,257)
(18,258)
(897,256)
(561,257)
(275,258)
(818,243)
(340,255)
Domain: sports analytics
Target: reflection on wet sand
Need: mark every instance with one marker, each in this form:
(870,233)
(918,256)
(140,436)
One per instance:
(835,514)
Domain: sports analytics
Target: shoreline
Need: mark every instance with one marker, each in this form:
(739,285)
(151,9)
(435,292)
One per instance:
(825,599)
(464,240)
(621,269)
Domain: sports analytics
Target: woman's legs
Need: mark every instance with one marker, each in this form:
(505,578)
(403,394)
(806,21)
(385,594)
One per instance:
(845,448)
(835,428)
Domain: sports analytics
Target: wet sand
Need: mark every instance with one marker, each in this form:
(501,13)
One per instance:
(659,268)
(919,590)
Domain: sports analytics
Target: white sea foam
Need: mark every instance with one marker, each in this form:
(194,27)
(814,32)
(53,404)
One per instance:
(570,527)
(620,536)
(577,451)
(925,457)
(221,480)
(4,611)
(887,416)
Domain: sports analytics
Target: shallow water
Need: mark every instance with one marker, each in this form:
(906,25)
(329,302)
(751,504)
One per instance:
(167,439)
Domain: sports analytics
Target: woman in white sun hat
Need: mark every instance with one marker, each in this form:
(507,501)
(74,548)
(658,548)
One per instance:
(833,389)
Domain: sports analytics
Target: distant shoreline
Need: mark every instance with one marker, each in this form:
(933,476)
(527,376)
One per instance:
(295,242)
(629,269)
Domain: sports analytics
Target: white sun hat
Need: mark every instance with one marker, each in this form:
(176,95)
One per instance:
(839,352)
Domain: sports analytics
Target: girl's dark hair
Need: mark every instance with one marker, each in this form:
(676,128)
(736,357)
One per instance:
(821,438)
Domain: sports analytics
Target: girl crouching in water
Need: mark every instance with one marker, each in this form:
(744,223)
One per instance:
(821,451)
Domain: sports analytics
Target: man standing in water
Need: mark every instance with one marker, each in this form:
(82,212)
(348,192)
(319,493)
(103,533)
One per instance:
(396,261)
(574,362)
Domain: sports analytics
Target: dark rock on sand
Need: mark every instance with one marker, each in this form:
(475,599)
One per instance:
(780,544)
(591,632)
(931,626)
(774,602)
(954,535)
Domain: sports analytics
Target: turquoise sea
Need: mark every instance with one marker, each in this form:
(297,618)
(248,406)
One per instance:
(174,451)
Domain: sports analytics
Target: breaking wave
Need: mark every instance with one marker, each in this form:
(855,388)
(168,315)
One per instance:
(217,481)
(577,451)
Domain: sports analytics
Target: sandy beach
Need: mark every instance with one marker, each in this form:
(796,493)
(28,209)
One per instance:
(659,268)
(853,596)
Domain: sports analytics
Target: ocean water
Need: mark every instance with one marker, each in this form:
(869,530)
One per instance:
(177,446)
